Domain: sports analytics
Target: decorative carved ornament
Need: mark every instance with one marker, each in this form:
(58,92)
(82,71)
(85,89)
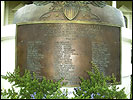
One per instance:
(71,8)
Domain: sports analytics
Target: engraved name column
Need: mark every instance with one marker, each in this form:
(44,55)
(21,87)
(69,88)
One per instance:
(34,57)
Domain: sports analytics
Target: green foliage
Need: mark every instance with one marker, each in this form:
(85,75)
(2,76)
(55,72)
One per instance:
(131,89)
(58,95)
(31,87)
(98,87)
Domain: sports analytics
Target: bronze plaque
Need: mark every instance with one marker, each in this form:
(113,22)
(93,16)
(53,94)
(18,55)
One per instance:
(56,50)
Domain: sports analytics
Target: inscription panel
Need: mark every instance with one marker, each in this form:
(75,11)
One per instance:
(66,50)
(100,56)
(34,57)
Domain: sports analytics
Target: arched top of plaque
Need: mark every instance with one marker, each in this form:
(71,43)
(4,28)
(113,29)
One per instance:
(83,11)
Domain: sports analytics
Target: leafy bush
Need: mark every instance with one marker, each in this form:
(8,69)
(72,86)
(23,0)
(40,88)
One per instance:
(131,89)
(31,87)
(96,87)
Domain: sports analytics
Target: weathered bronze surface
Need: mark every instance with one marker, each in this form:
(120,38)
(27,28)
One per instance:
(60,39)
(89,11)
(57,50)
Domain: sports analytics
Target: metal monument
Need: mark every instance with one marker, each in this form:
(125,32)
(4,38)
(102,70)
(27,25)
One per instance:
(59,39)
